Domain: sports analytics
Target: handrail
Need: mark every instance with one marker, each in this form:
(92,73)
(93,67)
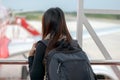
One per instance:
(101,11)
(105,62)
(93,62)
(23,61)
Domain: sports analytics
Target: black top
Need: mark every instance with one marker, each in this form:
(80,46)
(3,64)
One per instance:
(36,66)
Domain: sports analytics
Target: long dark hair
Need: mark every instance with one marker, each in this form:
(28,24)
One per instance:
(54,25)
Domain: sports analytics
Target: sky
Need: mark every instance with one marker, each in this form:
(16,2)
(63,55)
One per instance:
(66,5)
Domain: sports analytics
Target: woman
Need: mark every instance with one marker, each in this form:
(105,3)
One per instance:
(54,29)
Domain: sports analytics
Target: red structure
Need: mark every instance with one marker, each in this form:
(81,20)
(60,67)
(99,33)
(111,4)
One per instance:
(4,41)
(28,27)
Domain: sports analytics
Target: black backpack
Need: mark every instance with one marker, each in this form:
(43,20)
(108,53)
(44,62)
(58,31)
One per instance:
(68,62)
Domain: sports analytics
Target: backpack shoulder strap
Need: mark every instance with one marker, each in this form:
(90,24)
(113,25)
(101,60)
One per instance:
(74,43)
(45,42)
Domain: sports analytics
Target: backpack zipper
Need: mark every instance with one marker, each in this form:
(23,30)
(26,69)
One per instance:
(58,69)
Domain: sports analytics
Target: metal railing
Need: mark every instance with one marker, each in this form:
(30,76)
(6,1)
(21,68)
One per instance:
(82,20)
(93,62)
(24,62)
(17,62)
